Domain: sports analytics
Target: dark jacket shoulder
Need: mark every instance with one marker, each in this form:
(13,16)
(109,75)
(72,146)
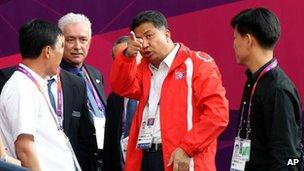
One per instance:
(96,73)
(72,78)
(5,74)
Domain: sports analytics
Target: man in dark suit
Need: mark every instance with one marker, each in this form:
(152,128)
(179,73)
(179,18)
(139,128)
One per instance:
(5,74)
(76,123)
(77,32)
(112,149)
(120,112)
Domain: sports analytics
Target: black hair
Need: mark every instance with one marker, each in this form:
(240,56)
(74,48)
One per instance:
(35,35)
(259,22)
(151,16)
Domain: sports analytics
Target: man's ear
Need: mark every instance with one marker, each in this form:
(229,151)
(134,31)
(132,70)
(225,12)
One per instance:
(47,51)
(168,35)
(250,40)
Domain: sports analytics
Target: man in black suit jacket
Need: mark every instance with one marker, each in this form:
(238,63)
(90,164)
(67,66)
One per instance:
(113,132)
(118,124)
(120,113)
(5,74)
(77,32)
(76,123)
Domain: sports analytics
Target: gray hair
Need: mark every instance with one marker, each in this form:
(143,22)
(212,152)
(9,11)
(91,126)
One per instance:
(121,39)
(72,18)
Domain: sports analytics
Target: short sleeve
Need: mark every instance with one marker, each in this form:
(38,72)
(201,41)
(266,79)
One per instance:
(21,106)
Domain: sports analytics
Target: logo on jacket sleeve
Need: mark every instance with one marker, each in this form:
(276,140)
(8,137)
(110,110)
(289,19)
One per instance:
(204,56)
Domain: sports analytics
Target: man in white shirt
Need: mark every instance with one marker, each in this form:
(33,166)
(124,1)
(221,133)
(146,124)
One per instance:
(29,123)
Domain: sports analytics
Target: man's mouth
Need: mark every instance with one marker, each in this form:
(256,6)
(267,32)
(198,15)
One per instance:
(148,54)
(77,54)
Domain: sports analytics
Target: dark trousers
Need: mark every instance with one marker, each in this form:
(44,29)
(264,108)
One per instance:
(99,160)
(10,167)
(152,161)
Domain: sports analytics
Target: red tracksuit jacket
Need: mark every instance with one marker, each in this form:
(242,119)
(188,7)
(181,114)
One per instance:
(193,106)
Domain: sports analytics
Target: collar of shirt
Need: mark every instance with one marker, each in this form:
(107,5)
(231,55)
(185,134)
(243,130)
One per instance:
(252,77)
(39,79)
(168,60)
(70,68)
(51,77)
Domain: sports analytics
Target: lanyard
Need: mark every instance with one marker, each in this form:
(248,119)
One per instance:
(58,111)
(271,66)
(153,113)
(59,107)
(96,97)
(150,113)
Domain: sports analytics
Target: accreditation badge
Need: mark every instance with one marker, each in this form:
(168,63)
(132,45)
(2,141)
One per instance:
(68,143)
(241,154)
(124,146)
(145,137)
(99,124)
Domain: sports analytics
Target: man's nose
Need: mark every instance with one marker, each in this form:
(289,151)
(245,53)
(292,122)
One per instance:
(145,43)
(77,44)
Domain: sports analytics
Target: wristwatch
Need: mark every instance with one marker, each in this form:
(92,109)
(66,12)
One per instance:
(4,158)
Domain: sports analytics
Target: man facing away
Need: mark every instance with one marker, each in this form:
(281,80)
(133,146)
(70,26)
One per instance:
(269,130)
(29,124)
(120,112)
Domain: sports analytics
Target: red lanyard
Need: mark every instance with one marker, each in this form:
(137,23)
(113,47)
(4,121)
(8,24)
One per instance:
(58,111)
(271,66)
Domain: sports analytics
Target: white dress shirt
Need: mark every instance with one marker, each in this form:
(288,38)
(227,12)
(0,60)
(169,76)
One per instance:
(24,110)
(151,109)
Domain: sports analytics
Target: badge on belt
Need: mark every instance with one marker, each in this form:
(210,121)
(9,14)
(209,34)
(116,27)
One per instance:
(145,137)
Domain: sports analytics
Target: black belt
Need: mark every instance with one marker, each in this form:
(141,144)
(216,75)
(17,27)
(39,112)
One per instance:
(98,157)
(154,148)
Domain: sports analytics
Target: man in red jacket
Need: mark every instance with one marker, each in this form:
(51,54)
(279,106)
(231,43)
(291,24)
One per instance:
(182,106)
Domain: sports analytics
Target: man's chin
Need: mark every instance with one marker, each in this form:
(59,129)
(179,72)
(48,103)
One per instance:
(237,60)
(74,62)
(155,61)
(149,57)
(53,73)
